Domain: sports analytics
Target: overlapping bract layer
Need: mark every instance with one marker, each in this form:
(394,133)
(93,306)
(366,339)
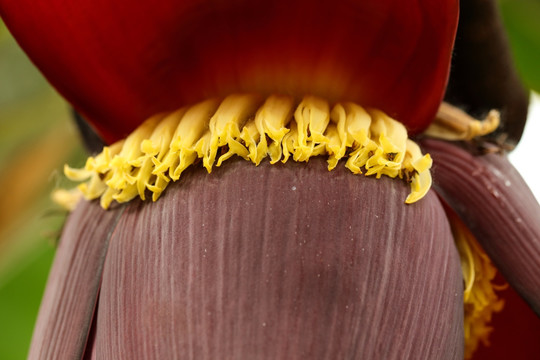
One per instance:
(253,128)
(283,261)
(499,209)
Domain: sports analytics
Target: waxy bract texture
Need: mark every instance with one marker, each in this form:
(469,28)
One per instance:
(498,207)
(120,62)
(270,262)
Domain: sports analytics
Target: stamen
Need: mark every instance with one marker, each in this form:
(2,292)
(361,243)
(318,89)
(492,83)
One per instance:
(68,199)
(416,168)
(479,297)
(454,124)
(252,128)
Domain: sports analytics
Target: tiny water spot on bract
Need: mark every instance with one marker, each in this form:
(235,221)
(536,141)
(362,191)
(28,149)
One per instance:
(293,188)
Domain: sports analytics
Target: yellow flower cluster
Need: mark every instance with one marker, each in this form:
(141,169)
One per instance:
(254,128)
(479,297)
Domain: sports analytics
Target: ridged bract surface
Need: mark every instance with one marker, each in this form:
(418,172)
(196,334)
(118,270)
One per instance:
(497,205)
(69,301)
(278,262)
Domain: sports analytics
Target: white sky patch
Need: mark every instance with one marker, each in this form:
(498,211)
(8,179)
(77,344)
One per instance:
(526,156)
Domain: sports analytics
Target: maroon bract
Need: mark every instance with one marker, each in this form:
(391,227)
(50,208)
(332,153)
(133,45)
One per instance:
(296,263)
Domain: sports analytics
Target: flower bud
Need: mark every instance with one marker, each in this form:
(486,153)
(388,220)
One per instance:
(283,261)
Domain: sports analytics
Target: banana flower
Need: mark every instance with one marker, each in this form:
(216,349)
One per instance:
(193,252)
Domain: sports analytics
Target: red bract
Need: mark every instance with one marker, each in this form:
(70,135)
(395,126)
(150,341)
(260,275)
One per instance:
(119,62)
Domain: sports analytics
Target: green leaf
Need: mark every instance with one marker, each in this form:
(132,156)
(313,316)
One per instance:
(20,297)
(521,19)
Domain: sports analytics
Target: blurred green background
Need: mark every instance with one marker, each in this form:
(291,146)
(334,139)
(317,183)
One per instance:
(37,138)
